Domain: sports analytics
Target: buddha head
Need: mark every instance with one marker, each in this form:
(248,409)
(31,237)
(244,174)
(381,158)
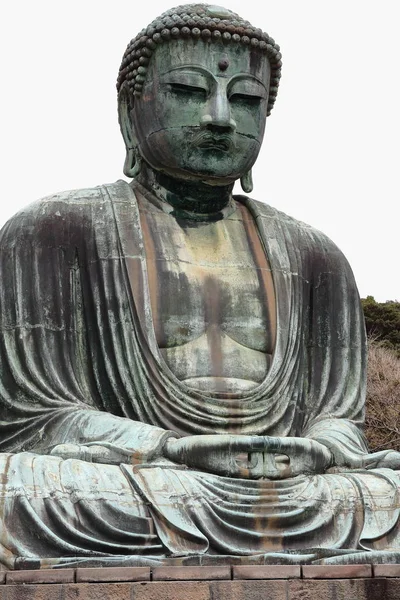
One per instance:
(195,88)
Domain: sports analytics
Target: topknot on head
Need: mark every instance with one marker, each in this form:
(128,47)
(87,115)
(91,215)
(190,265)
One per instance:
(197,21)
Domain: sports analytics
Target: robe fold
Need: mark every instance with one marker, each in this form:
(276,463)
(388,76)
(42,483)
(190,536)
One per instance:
(79,364)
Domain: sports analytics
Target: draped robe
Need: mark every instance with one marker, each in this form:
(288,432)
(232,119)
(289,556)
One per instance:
(79,364)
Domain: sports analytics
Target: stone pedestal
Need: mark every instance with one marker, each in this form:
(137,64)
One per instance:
(272,582)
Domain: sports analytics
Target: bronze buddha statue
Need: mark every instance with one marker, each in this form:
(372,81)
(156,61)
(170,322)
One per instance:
(183,370)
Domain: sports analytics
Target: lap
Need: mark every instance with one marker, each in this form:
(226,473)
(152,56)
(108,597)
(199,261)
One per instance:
(52,507)
(40,476)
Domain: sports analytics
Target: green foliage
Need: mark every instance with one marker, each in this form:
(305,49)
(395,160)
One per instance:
(382,320)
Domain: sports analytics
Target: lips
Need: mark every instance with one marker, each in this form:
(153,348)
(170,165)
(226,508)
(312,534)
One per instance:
(224,145)
(212,141)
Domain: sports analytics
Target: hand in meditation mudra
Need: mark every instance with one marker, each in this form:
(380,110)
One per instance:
(183,370)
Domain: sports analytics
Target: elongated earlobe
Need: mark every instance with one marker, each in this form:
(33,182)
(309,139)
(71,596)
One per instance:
(247,182)
(133,162)
(133,159)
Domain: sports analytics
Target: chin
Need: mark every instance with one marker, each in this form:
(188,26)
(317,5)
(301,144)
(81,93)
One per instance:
(217,171)
(207,176)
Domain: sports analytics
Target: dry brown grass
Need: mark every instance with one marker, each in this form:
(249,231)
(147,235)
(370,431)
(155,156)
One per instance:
(382,426)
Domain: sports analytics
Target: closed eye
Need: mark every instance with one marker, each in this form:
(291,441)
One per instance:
(248,99)
(183,88)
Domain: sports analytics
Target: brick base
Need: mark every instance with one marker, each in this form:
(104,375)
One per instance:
(224,582)
(294,589)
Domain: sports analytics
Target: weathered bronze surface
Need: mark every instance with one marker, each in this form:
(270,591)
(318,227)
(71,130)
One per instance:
(183,370)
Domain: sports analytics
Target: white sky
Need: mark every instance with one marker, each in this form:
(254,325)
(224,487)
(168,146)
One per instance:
(330,154)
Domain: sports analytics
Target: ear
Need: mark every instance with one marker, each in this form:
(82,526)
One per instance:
(125,105)
(133,161)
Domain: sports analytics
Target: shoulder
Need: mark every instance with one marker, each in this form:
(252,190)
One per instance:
(290,225)
(266,211)
(57,216)
(59,204)
(314,246)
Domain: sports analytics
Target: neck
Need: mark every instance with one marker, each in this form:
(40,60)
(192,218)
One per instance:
(189,199)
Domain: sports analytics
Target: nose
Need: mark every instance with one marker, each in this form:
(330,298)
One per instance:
(218,114)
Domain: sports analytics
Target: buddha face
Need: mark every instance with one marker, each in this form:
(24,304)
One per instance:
(202,112)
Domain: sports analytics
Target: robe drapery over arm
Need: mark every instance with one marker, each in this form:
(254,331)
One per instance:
(60,380)
(78,350)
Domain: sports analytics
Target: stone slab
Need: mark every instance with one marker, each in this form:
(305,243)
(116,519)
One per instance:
(112,574)
(266,571)
(386,570)
(336,571)
(344,589)
(172,590)
(191,573)
(35,592)
(97,591)
(47,576)
(249,590)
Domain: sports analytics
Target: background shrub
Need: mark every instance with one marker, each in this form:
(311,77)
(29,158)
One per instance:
(382,320)
(382,425)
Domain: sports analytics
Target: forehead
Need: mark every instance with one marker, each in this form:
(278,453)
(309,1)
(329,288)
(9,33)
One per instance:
(234,58)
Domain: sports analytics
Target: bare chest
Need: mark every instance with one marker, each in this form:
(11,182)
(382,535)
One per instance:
(211,292)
